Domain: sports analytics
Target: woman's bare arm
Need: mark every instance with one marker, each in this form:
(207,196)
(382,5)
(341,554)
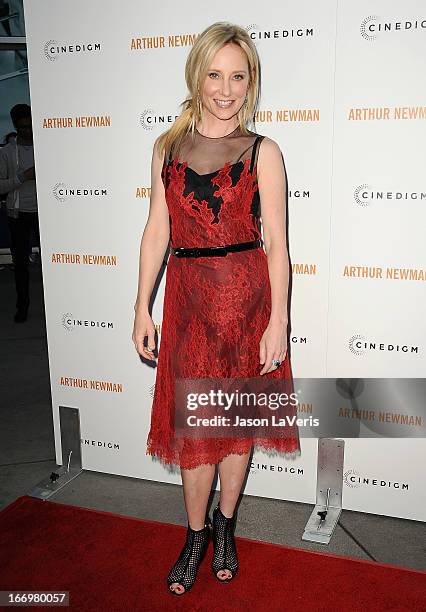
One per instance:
(155,237)
(272,190)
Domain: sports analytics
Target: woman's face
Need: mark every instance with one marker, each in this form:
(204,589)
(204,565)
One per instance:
(226,83)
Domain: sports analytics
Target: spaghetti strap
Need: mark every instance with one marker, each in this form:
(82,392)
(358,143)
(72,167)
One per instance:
(165,158)
(255,148)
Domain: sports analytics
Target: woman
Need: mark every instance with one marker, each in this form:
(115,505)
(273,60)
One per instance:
(224,313)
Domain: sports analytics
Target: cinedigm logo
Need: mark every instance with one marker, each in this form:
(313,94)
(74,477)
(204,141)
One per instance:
(356,339)
(57,188)
(360,191)
(368,32)
(143,119)
(66,321)
(48,50)
(351,479)
(252,29)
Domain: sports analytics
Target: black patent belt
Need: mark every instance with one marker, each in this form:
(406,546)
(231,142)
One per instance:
(219,251)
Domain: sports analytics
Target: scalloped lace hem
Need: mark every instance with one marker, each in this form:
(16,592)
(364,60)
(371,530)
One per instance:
(173,462)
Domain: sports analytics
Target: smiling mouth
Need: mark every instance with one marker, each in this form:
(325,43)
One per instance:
(223,103)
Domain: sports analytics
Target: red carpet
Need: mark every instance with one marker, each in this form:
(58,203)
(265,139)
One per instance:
(112,562)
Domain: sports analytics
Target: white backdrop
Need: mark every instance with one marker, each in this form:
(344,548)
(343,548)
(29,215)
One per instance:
(105,83)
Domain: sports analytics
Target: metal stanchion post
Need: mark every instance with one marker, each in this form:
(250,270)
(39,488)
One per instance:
(328,506)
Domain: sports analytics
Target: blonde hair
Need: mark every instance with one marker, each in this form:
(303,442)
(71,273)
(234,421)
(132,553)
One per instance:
(198,62)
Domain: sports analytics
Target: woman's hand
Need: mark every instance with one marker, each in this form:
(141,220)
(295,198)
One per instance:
(273,345)
(144,326)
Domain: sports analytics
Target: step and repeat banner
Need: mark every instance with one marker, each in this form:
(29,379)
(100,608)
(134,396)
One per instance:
(344,96)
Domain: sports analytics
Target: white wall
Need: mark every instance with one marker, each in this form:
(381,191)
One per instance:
(331,57)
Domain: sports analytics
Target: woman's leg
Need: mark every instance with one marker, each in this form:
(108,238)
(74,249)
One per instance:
(197,484)
(232,471)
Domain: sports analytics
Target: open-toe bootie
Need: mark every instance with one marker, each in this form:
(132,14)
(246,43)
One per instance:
(184,571)
(224,549)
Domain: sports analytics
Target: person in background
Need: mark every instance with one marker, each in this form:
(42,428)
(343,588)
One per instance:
(8,138)
(17,180)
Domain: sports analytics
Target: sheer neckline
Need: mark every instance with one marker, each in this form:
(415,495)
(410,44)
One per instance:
(217,137)
(216,153)
(227,164)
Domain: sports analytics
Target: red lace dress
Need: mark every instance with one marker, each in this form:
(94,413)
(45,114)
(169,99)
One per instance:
(215,309)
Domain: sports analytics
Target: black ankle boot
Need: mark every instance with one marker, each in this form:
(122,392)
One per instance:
(184,571)
(224,549)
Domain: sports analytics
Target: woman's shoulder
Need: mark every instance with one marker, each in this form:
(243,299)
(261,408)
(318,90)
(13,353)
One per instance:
(160,138)
(166,148)
(269,154)
(269,146)
(160,148)
(266,141)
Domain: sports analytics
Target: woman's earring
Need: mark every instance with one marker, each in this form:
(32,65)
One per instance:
(199,107)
